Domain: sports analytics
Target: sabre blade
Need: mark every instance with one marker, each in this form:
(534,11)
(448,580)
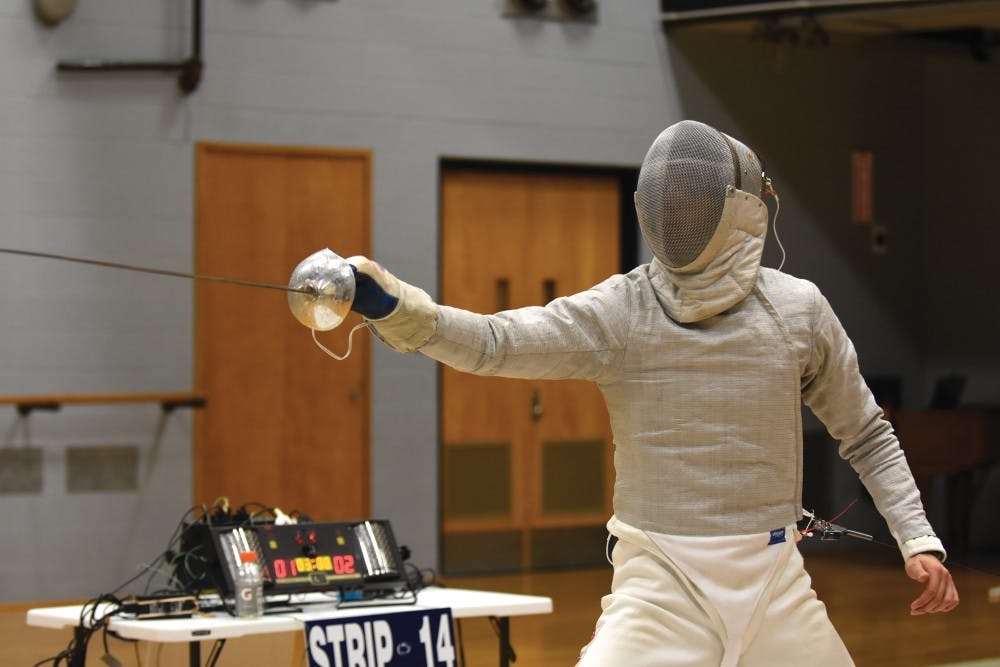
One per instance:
(158,272)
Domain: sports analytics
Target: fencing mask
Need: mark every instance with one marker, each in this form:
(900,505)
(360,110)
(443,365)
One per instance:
(682,187)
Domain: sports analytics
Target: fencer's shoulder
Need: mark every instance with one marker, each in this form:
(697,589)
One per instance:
(620,283)
(613,291)
(784,286)
(636,283)
(639,276)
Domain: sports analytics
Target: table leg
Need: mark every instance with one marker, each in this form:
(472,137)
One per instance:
(503,626)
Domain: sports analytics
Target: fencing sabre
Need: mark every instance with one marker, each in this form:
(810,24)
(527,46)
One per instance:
(320,291)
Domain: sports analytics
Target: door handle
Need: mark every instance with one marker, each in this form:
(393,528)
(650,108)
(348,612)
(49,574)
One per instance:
(537,411)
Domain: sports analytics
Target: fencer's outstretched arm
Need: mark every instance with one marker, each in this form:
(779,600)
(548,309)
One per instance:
(582,336)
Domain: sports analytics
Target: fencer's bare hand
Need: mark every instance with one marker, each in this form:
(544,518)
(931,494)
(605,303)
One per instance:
(939,590)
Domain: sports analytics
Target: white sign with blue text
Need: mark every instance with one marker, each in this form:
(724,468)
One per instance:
(417,638)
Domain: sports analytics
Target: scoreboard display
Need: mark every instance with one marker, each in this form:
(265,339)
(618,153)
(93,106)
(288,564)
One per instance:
(302,557)
(299,558)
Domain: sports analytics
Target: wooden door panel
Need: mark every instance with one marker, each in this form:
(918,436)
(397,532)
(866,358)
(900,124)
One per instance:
(491,254)
(484,411)
(543,235)
(233,321)
(326,401)
(572,213)
(284,424)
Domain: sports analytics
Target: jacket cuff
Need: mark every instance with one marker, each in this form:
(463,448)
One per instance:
(923,544)
(411,323)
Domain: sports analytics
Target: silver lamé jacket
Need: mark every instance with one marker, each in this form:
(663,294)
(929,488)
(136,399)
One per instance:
(704,370)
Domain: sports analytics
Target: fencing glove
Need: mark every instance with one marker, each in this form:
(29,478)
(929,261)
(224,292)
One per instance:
(402,315)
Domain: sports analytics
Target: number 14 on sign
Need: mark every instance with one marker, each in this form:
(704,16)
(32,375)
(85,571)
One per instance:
(441,651)
(382,640)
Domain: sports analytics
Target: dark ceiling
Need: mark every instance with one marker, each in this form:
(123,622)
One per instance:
(973,23)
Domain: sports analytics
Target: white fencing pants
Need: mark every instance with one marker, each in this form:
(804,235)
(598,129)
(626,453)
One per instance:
(714,610)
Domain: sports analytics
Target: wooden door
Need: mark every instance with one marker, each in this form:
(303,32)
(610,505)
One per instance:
(284,424)
(526,465)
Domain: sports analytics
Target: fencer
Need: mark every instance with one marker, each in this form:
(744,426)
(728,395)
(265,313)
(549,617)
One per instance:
(703,358)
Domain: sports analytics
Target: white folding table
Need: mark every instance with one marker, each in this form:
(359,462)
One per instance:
(463,603)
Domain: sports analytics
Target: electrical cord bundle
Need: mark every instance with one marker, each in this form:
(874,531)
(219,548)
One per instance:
(98,611)
(94,617)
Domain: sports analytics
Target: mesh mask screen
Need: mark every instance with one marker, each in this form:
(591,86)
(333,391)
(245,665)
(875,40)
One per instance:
(681,191)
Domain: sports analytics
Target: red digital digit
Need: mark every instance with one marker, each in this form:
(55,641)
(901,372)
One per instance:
(343,564)
(280,571)
(292,567)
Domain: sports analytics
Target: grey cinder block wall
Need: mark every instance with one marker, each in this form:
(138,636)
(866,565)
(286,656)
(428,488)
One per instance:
(102,166)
